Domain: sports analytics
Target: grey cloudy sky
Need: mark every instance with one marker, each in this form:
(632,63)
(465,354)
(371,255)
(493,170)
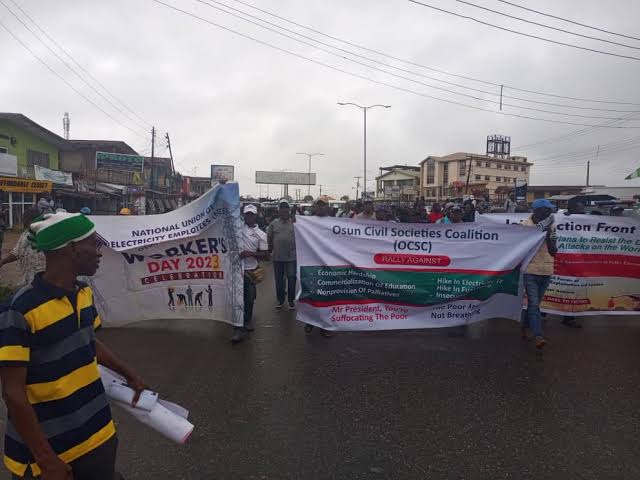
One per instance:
(227,99)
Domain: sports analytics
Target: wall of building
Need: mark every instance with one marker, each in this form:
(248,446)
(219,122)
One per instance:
(77,161)
(499,172)
(451,175)
(407,182)
(26,141)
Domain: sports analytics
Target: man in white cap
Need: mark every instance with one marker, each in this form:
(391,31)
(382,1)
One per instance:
(60,424)
(253,248)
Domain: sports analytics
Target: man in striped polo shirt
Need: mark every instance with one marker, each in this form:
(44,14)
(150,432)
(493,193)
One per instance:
(60,424)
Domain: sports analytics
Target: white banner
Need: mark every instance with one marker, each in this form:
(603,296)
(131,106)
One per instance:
(597,267)
(183,264)
(56,177)
(365,275)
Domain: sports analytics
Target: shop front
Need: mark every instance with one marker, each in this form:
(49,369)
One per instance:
(19,195)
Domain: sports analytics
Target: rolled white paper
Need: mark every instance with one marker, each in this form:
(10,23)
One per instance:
(168,419)
(122,393)
(163,421)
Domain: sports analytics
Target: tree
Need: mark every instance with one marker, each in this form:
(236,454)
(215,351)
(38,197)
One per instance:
(308,198)
(345,198)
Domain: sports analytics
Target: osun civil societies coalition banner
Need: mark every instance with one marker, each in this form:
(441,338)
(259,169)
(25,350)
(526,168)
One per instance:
(181,264)
(366,275)
(597,268)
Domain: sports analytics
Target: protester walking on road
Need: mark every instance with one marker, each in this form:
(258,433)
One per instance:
(539,270)
(253,247)
(367,210)
(469,214)
(30,260)
(46,204)
(320,209)
(282,245)
(60,424)
(454,215)
(435,214)
(510,204)
(357,209)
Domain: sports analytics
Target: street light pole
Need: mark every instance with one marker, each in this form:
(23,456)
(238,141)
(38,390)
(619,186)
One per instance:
(364,109)
(310,155)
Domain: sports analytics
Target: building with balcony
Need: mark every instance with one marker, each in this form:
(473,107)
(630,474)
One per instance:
(460,174)
(399,183)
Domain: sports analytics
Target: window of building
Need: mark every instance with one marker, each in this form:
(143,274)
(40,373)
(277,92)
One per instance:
(462,168)
(478,177)
(499,166)
(431,171)
(4,150)
(37,158)
(445,173)
(487,164)
(17,204)
(487,177)
(507,167)
(478,164)
(524,169)
(498,179)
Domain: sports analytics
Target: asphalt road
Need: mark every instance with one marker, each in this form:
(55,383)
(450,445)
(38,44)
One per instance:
(432,404)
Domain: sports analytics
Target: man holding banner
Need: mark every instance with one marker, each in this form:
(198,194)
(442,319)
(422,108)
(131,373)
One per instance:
(282,245)
(538,274)
(253,247)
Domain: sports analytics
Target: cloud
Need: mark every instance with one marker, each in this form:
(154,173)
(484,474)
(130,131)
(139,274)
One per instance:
(227,99)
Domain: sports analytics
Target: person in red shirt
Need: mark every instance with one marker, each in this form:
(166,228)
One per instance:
(436,213)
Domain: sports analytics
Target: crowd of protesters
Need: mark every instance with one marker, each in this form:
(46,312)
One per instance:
(59,249)
(282,249)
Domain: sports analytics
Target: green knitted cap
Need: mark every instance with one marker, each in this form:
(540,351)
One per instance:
(57,230)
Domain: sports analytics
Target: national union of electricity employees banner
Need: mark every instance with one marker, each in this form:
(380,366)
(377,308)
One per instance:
(597,268)
(367,275)
(181,264)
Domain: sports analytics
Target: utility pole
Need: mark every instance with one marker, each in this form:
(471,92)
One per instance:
(357,186)
(66,125)
(364,190)
(364,110)
(310,156)
(153,153)
(173,171)
(589,164)
(320,191)
(466,190)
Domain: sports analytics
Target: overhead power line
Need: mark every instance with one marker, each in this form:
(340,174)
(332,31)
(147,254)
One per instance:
(70,68)
(209,3)
(613,147)
(443,72)
(517,32)
(494,94)
(570,21)
(557,29)
(575,133)
(66,82)
(79,65)
(371,80)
